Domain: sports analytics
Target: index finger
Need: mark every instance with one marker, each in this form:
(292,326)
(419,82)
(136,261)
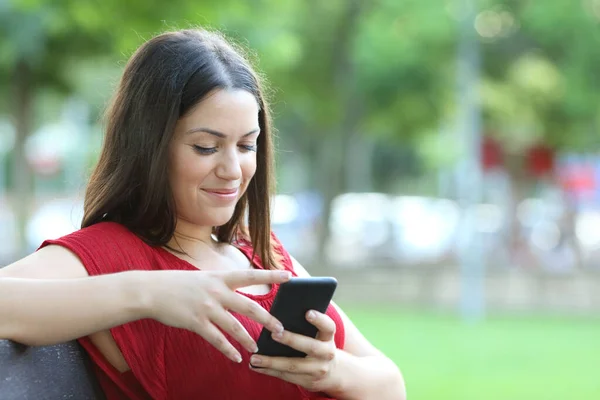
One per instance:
(251,309)
(238,279)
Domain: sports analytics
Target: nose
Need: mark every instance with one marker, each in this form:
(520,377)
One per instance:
(229,167)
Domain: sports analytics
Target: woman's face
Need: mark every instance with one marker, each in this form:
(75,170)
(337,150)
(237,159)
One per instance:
(213,156)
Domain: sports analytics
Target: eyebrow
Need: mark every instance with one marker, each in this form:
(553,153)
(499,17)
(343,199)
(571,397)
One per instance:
(217,133)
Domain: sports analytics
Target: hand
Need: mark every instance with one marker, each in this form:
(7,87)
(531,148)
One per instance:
(315,371)
(200,301)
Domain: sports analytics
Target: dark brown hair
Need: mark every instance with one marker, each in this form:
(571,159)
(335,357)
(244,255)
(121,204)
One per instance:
(165,78)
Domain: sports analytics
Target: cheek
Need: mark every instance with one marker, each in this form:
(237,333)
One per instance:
(249,168)
(188,173)
(192,167)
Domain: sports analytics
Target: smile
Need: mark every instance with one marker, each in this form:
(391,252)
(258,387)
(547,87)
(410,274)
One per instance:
(223,194)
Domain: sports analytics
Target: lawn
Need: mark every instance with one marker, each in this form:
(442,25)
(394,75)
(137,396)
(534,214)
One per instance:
(516,358)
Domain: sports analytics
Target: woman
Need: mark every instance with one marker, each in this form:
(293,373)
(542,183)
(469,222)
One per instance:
(165,286)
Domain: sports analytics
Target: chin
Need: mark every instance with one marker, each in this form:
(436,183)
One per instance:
(217,218)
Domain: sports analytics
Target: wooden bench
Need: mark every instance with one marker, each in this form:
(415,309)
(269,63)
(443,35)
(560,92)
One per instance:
(56,372)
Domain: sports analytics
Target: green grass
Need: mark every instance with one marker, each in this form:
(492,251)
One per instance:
(516,358)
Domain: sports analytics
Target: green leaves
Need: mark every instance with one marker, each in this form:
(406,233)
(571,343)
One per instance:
(401,55)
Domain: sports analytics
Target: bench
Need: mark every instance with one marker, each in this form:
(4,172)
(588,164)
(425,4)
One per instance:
(61,371)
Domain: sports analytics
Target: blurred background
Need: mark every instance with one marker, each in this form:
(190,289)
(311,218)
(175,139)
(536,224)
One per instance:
(439,157)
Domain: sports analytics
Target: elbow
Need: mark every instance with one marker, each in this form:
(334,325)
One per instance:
(397,386)
(401,386)
(14,334)
(30,342)
(8,331)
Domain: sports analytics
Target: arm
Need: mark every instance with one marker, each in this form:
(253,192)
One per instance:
(362,371)
(48,297)
(365,373)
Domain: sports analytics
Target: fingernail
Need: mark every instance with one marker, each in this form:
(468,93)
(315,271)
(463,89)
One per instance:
(253,348)
(277,335)
(278,328)
(285,275)
(255,360)
(237,358)
(311,315)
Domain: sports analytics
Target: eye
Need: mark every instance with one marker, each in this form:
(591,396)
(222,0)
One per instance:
(248,147)
(205,150)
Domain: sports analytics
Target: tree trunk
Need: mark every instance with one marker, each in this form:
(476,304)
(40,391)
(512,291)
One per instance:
(22,174)
(330,166)
(359,160)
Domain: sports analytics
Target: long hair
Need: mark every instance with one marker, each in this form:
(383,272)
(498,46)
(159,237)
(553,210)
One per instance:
(164,79)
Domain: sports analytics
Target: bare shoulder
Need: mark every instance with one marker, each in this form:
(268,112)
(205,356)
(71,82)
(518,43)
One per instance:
(299,269)
(50,262)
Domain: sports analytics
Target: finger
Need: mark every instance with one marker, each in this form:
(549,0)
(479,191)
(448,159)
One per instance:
(292,365)
(237,279)
(324,324)
(286,376)
(212,335)
(310,382)
(251,309)
(312,347)
(231,325)
(277,374)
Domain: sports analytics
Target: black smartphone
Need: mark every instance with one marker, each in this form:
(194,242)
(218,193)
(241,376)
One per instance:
(293,300)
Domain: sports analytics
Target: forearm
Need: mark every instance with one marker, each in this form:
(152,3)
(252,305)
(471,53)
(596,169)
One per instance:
(43,311)
(365,378)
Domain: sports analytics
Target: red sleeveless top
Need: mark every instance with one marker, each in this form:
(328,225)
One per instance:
(167,362)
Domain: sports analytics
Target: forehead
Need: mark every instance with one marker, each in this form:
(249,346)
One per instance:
(228,111)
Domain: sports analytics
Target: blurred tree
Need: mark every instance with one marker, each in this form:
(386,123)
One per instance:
(41,41)
(351,77)
(541,71)
(343,70)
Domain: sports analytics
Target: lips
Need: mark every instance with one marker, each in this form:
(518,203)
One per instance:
(222,191)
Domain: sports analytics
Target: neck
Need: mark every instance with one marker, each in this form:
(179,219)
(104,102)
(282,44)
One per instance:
(189,238)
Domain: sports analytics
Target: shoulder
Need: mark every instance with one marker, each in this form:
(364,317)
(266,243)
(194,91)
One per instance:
(104,230)
(97,237)
(105,247)
(100,235)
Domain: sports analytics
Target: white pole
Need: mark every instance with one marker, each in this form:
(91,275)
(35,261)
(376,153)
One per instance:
(472,269)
